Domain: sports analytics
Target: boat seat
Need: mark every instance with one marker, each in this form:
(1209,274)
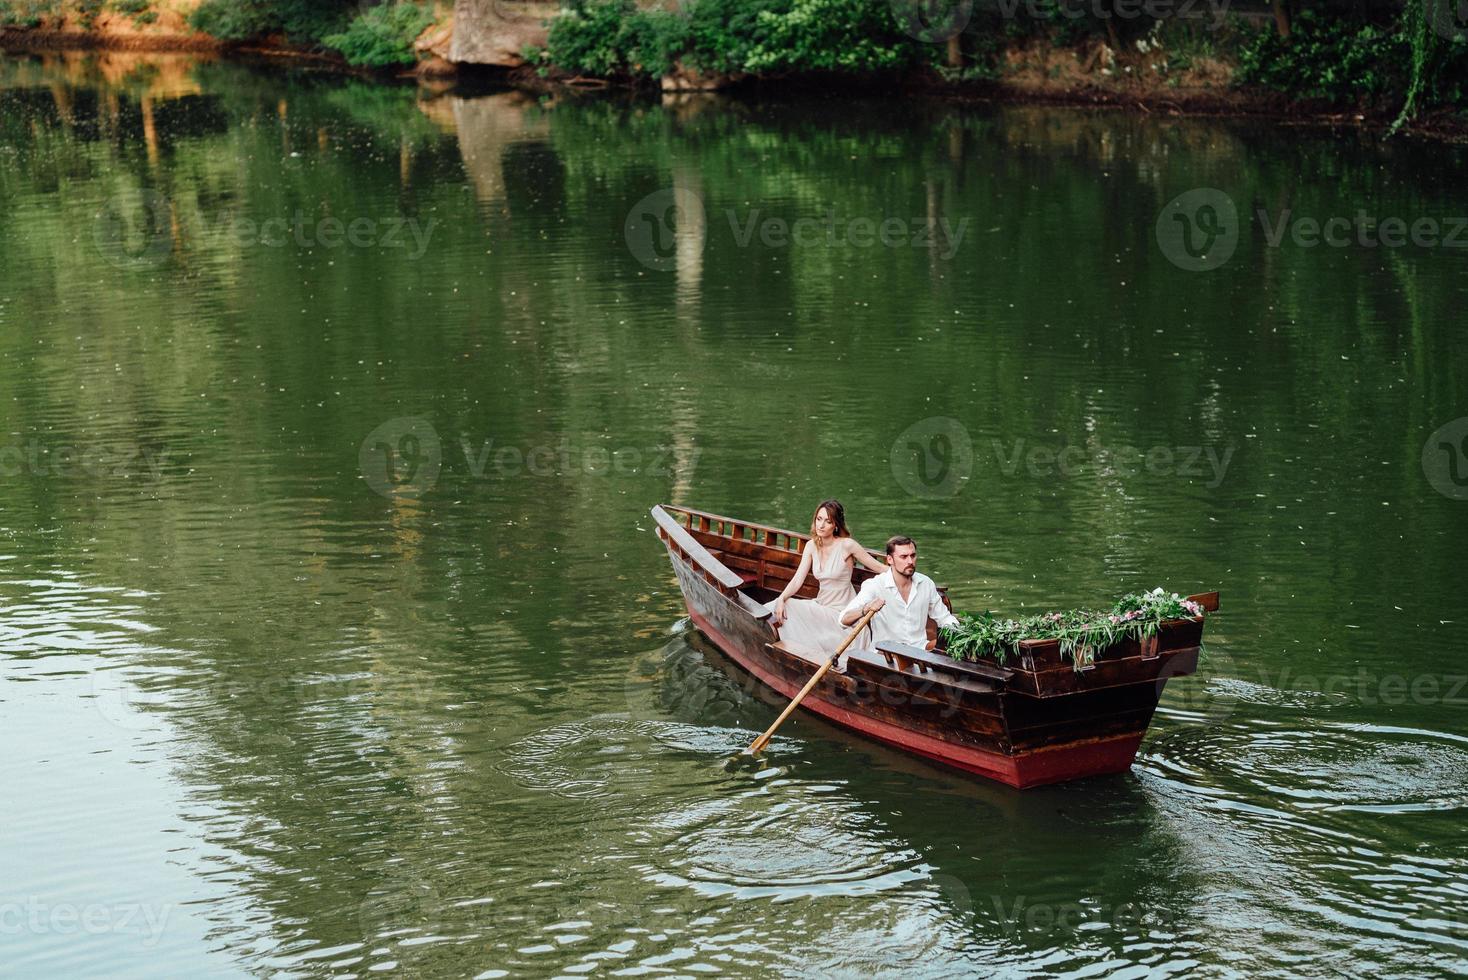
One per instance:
(900,654)
(755,609)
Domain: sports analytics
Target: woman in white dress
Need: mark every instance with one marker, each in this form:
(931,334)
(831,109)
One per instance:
(814,625)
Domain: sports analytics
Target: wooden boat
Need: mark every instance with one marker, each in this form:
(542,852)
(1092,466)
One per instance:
(1032,721)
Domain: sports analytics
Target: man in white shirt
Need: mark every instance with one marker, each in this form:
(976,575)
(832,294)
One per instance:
(904,597)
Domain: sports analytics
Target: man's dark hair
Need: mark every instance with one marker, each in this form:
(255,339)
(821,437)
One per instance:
(897,540)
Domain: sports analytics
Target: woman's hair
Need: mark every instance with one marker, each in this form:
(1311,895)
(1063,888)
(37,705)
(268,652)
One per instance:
(836,513)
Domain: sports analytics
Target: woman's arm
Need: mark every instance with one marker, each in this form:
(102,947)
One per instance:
(865,557)
(796,581)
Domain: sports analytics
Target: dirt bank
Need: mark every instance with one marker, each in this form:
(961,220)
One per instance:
(1092,76)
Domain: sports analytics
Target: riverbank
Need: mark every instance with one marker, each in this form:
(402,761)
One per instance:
(1176,68)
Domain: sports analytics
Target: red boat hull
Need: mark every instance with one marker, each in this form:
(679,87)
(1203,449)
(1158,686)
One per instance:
(1058,764)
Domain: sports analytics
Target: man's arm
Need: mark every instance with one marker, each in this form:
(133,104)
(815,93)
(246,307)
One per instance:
(857,607)
(939,613)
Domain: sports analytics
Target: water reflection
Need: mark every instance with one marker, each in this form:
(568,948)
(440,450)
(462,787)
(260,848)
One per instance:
(457,730)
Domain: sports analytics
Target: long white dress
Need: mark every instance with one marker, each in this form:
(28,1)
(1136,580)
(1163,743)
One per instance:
(813,626)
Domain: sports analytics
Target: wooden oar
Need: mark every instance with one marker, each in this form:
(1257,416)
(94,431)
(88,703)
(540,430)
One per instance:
(758,744)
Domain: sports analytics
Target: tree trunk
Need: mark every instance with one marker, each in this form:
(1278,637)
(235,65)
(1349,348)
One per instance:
(1111,35)
(955,50)
(1281,18)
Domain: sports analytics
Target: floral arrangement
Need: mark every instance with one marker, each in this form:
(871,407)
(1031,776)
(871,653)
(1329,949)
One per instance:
(1081,632)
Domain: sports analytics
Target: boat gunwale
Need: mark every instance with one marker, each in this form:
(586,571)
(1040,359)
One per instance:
(732,585)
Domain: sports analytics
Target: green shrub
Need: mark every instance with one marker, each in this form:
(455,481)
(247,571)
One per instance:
(1328,60)
(301,21)
(612,38)
(382,36)
(138,10)
(27,13)
(87,11)
(723,33)
(833,35)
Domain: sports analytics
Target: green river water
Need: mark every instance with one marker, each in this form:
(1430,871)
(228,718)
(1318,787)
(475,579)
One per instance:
(334,637)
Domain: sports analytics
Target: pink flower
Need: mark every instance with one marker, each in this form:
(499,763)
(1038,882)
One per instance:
(1115,620)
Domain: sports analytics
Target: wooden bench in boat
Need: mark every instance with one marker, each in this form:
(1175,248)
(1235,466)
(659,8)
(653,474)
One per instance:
(902,656)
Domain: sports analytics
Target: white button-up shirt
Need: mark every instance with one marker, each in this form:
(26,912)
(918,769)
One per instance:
(903,622)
